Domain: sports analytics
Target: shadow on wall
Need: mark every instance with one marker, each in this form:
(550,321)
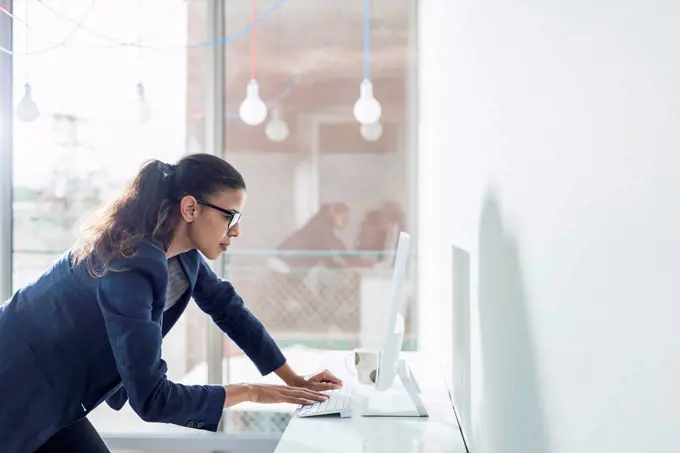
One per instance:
(510,410)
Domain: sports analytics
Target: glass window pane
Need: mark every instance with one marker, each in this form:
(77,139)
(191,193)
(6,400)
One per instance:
(96,126)
(326,197)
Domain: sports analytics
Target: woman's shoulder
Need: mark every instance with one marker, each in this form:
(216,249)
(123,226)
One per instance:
(148,260)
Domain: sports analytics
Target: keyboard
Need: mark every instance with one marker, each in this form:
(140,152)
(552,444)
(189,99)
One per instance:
(339,402)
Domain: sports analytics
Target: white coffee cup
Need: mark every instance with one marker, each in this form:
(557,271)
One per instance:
(366,365)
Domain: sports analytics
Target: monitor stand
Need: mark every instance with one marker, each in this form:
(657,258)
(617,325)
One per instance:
(389,403)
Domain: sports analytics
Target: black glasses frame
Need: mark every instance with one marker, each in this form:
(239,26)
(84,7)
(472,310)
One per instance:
(235,215)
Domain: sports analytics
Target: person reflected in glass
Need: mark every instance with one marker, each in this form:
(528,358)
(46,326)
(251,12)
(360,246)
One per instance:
(312,272)
(91,327)
(318,236)
(378,232)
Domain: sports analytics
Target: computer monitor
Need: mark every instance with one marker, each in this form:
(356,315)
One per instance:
(394,329)
(459,374)
(390,365)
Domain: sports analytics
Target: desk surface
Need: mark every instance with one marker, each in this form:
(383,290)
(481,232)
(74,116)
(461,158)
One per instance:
(329,434)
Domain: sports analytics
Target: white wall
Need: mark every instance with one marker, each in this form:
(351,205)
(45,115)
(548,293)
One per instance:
(557,126)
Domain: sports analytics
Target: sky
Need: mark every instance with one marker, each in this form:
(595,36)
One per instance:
(94,77)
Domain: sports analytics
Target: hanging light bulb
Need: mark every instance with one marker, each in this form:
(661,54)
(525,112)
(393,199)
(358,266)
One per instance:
(143,108)
(27,110)
(252,110)
(371,132)
(277,129)
(367,109)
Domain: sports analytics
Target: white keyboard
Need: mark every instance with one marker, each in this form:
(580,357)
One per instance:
(339,402)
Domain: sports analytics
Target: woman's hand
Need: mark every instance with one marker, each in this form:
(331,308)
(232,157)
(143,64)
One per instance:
(261,393)
(269,394)
(324,380)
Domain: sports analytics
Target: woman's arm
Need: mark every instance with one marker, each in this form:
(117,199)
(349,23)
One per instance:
(289,376)
(237,393)
(125,299)
(263,393)
(217,298)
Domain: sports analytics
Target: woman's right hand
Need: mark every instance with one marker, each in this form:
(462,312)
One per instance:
(266,394)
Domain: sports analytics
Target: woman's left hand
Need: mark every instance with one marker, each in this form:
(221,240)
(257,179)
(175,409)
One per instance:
(324,380)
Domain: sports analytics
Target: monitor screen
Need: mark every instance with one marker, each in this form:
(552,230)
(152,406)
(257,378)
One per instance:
(459,375)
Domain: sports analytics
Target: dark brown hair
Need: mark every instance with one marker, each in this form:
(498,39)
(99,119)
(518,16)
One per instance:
(148,208)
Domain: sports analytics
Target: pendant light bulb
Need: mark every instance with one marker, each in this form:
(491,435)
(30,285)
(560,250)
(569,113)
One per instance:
(252,110)
(27,110)
(277,129)
(367,109)
(144,111)
(371,132)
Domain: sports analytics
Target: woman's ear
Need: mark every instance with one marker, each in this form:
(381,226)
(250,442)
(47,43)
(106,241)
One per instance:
(188,208)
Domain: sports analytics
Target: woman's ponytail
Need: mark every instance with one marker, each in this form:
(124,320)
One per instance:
(142,211)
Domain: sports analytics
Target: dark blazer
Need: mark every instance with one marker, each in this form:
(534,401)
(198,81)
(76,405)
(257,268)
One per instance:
(69,341)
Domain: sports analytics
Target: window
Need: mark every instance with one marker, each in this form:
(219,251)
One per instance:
(118,82)
(326,196)
(95,127)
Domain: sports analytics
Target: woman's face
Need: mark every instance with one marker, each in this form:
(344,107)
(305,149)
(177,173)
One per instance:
(209,229)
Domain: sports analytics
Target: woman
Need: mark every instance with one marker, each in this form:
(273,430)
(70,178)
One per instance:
(90,328)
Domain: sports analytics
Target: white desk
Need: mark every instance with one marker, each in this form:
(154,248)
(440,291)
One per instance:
(439,433)
(330,434)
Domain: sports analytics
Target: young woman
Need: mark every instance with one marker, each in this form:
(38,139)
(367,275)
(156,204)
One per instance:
(90,328)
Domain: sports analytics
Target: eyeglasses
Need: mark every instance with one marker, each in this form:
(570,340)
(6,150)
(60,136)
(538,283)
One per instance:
(235,216)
